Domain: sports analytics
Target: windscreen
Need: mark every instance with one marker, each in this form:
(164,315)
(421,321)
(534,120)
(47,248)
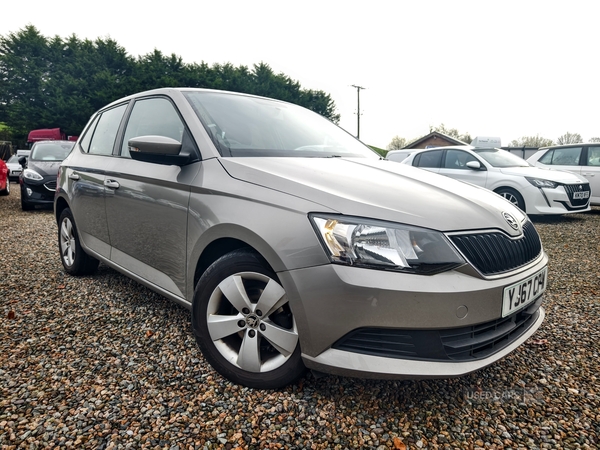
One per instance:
(241,125)
(501,158)
(51,151)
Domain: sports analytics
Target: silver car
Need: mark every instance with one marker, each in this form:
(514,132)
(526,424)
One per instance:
(293,244)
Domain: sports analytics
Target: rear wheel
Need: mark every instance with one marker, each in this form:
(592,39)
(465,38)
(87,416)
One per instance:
(243,323)
(74,259)
(512,196)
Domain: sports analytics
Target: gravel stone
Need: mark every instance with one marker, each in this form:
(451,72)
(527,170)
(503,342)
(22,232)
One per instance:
(101,362)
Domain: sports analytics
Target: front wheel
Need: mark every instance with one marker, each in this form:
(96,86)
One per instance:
(74,259)
(512,196)
(243,323)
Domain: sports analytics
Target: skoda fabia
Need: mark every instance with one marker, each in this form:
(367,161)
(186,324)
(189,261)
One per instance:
(293,244)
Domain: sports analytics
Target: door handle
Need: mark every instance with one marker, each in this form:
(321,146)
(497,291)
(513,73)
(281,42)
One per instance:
(111,184)
(588,174)
(74,176)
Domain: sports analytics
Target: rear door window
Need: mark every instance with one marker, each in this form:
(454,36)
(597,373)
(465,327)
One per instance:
(103,132)
(431,159)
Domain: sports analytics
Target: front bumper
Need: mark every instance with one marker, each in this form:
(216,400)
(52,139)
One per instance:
(38,192)
(369,366)
(559,200)
(333,303)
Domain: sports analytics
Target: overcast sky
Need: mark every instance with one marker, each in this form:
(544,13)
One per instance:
(490,68)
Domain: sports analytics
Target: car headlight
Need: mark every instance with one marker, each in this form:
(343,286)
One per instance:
(382,245)
(540,183)
(32,175)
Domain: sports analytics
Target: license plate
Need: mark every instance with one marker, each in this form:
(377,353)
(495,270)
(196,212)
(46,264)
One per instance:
(581,195)
(524,292)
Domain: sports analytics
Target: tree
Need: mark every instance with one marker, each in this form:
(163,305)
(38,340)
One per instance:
(452,132)
(569,138)
(397,143)
(59,83)
(531,141)
(594,139)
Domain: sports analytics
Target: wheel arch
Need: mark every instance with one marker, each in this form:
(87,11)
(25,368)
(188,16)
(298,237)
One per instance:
(514,190)
(60,204)
(223,239)
(214,251)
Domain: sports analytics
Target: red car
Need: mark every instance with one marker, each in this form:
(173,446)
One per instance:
(4,181)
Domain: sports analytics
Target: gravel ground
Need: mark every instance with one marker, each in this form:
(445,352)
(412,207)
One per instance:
(102,362)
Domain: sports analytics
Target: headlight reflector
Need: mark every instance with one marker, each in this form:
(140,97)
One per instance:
(381,245)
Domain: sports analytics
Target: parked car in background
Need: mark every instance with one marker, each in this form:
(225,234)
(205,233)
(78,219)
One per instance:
(14,168)
(582,159)
(399,155)
(38,179)
(533,190)
(293,244)
(4,180)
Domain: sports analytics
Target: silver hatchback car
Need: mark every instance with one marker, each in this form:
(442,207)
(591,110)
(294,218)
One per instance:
(293,244)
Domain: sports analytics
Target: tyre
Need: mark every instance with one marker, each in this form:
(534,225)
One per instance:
(243,323)
(74,259)
(26,206)
(6,190)
(512,196)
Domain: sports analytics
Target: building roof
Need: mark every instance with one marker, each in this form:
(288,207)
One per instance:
(435,136)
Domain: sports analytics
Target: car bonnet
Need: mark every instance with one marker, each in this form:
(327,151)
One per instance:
(44,168)
(559,176)
(379,189)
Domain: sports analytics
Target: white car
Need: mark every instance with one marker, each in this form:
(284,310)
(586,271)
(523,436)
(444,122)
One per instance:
(534,190)
(14,168)
(583,159)
(399,155)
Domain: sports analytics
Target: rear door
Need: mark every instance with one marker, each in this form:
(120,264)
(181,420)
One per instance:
(430,160)
(85,176)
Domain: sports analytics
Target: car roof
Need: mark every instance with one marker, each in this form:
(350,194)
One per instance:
(579,144)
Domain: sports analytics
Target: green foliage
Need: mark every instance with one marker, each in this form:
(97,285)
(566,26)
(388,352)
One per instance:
(531,141)
(569,138)
(452,132)
(380,151)
(397,143)
(59,83)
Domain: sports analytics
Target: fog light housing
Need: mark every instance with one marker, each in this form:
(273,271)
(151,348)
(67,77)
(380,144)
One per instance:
(29,192)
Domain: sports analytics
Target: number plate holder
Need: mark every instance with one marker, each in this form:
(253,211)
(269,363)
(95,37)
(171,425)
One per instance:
(521,294)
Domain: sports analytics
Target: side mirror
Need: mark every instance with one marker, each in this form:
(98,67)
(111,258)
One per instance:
(157,149)
(22,161)
(475,165)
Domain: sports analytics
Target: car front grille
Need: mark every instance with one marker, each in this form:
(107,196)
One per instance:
(51,185)
(452,344)
(573,188)
(494,253)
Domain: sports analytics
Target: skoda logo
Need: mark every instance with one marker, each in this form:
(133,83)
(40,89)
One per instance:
(511,220)
(252,321)
(580,187)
